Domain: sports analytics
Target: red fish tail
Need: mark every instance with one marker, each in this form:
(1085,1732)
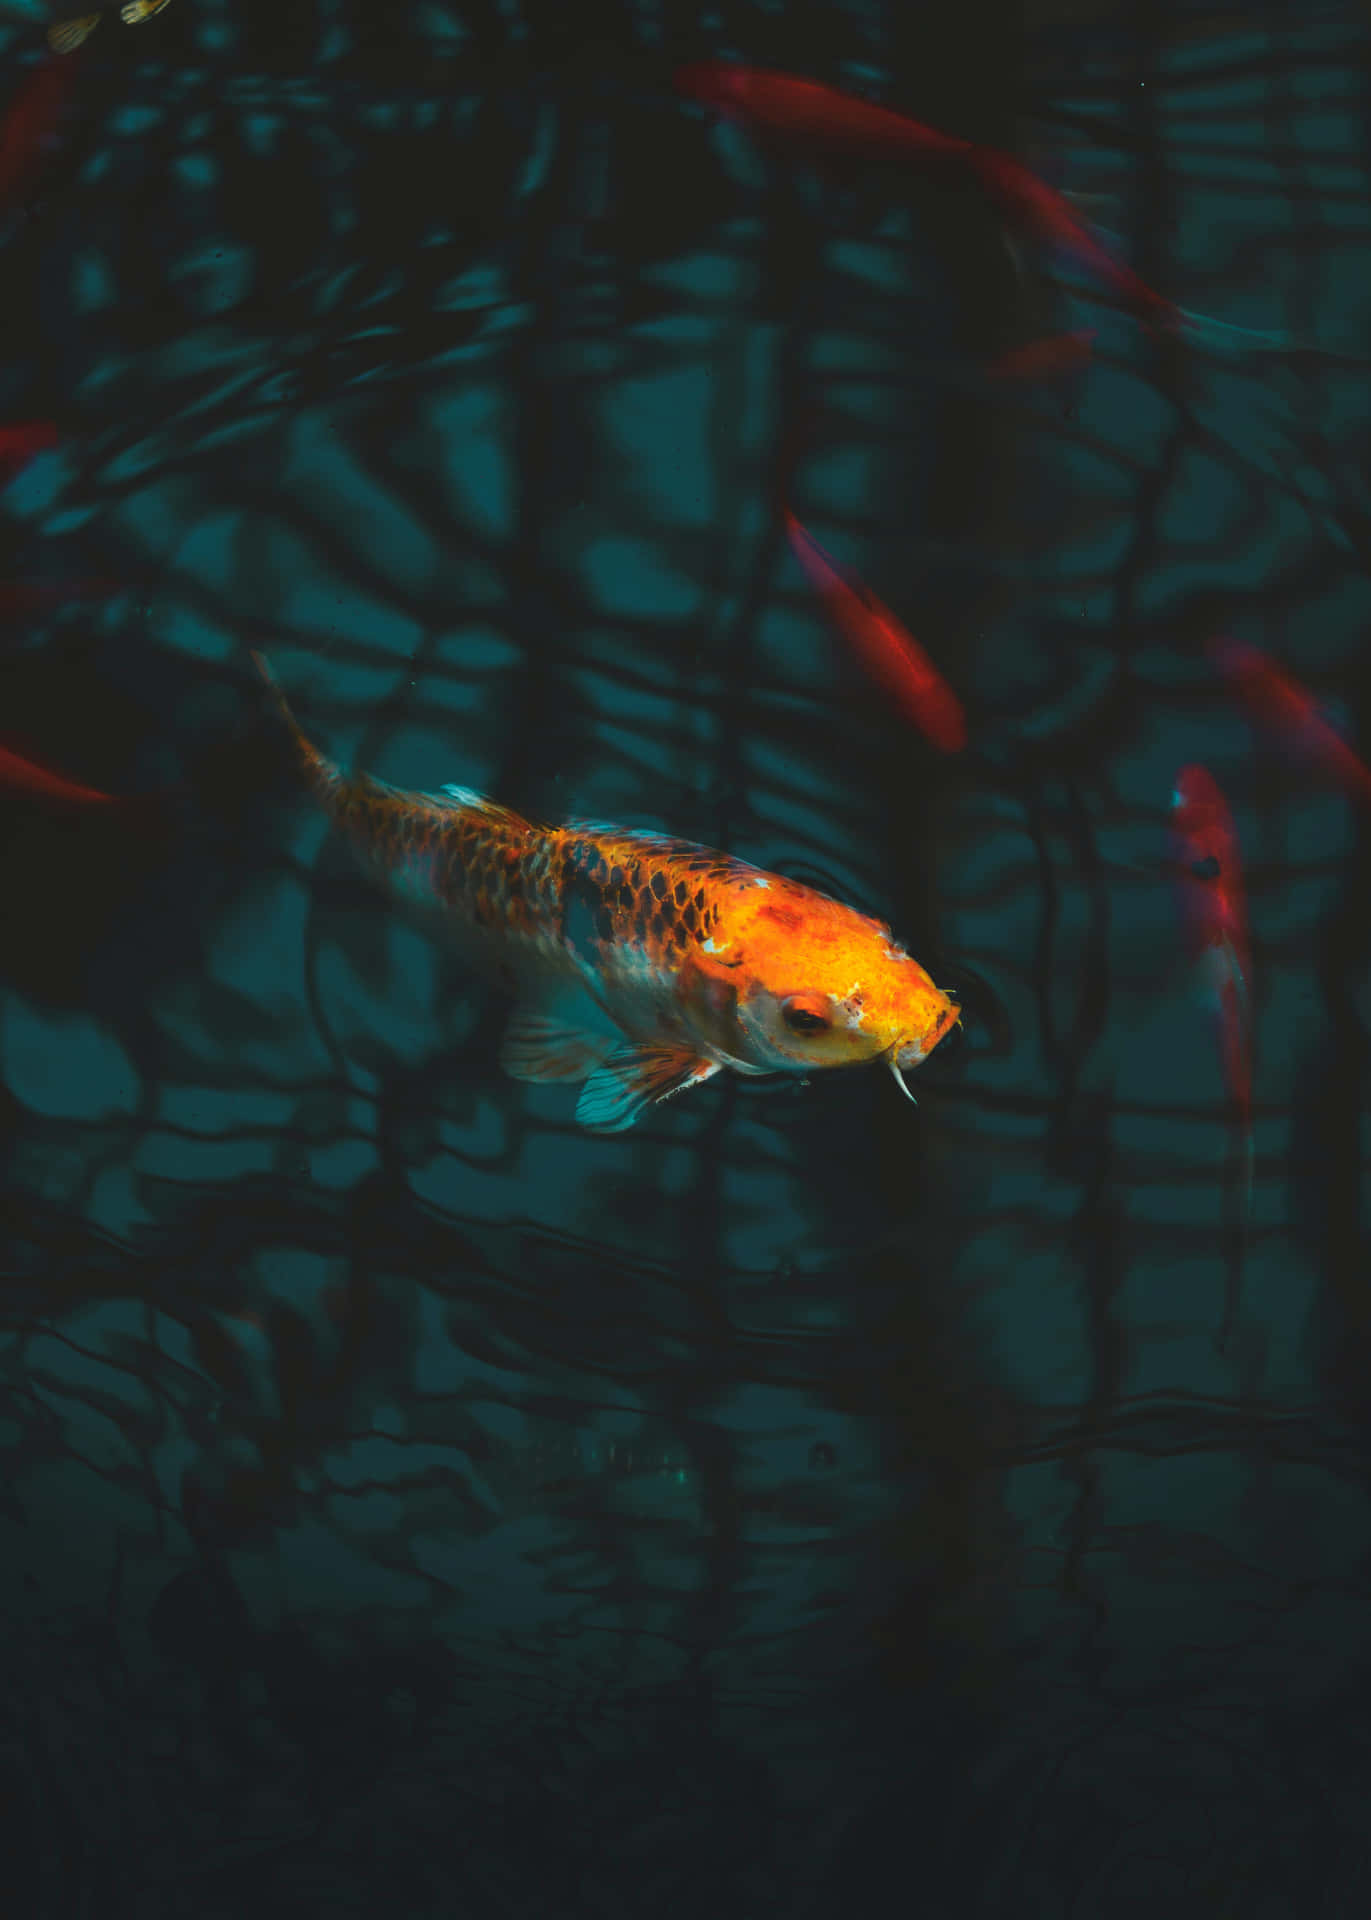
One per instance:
(22,775)
(1236,1052)
(1290,711)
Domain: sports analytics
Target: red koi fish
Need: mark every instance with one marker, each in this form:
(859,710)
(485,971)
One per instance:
(1215,909)
(1039,208)
(768,101)
(20,442)
(1289,709)
(781,103)
(646,965)
(1045,359)
(29,127)
(890,654)
(27,776)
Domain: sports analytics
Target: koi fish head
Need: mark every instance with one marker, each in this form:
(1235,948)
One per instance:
(1198,808)
(791,981)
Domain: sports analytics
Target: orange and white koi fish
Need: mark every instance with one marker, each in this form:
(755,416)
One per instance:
(889,653)
(1215,908)
(1289,710)
(677,961)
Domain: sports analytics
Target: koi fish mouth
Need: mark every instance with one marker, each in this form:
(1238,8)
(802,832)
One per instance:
(912,1053)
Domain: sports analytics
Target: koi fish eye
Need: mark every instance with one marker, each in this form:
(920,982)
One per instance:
(807,1013)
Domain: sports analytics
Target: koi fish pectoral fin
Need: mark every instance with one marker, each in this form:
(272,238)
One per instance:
(1015,252)
(1241,994)
(67,35)
(539,1047)
(1224,982)
(139,10)
(635,1077)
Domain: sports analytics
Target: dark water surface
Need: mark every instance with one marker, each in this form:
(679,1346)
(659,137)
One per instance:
(799,1504)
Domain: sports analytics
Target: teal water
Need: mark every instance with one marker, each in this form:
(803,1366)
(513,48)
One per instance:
(800,1502)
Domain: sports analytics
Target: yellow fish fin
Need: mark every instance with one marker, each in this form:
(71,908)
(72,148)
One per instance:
(137,10)
(635,1077)
(537,1047)
(67,35)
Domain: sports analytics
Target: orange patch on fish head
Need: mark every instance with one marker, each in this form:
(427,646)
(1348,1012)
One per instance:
(815,984)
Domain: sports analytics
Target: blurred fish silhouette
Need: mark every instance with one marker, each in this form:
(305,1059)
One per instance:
(1048,359)
(1216,913)
(1290,711)
(28,130)
(890,654)
(20,442)
(20,597)
(644,964)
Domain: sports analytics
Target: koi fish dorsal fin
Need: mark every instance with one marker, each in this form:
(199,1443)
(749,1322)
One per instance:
(667,846)
(648,839)
(636,1077)
(538,1047)
(455,796)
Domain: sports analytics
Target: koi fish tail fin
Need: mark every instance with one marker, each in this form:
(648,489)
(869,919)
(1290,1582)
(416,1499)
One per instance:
(1246,1174)
(321,774)
(1245,1155)
(279,701)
